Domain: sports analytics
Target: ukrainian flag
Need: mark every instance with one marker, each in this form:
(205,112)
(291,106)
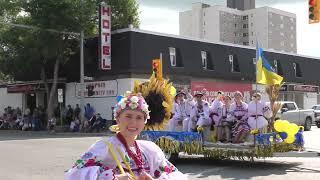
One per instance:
(265,73)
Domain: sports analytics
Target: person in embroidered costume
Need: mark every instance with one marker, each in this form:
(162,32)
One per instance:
(144,158)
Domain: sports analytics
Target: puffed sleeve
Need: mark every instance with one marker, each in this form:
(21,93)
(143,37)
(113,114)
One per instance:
(245,109)
(206,110)
(160,167)
(90,165)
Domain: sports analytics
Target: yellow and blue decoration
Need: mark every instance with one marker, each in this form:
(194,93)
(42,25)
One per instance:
(289,132)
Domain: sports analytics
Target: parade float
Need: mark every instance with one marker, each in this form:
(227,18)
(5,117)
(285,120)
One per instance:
(281,139)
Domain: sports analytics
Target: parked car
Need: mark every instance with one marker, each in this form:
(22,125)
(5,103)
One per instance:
(316,109)
(290,111)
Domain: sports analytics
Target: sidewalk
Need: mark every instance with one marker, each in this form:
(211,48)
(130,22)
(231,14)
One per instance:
(41,133)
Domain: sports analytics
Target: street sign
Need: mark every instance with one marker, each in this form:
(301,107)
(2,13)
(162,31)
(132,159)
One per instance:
(88,78)
(60,95)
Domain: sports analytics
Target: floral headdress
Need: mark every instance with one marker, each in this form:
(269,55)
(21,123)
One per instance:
(132,102)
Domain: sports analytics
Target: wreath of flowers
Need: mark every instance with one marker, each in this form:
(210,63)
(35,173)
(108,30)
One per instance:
(133,102)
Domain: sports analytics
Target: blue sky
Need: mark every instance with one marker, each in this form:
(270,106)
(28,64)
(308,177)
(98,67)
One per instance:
(163,16)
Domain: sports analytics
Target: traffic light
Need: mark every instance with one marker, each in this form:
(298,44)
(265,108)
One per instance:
(157,68)
(314,7)
(90,90)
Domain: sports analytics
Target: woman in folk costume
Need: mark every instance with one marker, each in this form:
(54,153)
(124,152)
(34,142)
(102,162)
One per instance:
(181,112)
(199,115)
(226,121)
(239,110)
(258,111)
(122,157)
(215,110)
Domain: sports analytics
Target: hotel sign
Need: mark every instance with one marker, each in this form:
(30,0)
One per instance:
(105,37)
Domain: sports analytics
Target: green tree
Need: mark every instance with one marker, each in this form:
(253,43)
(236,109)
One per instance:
(42,51)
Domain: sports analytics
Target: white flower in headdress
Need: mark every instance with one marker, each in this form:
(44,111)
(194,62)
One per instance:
(134,99)
(123,103)
(133,105)
(144,107)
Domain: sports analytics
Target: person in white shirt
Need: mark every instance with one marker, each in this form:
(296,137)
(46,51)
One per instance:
(226,121)
(181,112)
(216,108)
(258,113)
(199,115)
(239,110)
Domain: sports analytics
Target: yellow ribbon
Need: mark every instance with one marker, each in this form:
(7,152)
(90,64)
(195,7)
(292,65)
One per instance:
(126,163)
(115,158)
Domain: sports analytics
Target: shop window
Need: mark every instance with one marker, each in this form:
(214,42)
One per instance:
(297,70)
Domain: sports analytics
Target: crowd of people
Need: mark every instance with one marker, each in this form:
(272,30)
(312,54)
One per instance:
(37,119)
(13,118)
(230,118)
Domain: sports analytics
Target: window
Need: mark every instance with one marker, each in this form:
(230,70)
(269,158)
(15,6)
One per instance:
(278,67)
(245,43)
(289,106)
(245,34)
(251,24)
(204,13)
(275,63)
(254,61)
(252,15)
(233,60)
(204,23)
(282,43)
(281,34)
(281,26)
(235,25)
(244,17)
(297,70)
(204,59)
(235,34)
(251,42)
(251,33)
(173,58)
(291,19)
(245,26)
(281,17)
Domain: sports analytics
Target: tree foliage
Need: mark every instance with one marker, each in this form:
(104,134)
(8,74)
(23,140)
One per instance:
(37,53)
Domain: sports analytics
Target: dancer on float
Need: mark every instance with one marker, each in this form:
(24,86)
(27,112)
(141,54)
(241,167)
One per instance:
(258,113)
(199,115)
(215,110)
(226,121)
(239,110)
(138,159)
(181,112)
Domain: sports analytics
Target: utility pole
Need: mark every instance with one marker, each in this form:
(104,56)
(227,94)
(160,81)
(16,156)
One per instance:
(81,74)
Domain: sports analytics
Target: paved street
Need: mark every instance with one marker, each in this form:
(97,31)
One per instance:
(45,157)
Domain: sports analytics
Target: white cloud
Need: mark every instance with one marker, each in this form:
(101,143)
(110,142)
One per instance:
(159,19)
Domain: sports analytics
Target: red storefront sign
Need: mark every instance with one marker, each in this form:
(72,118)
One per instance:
(211,88)
(20,88)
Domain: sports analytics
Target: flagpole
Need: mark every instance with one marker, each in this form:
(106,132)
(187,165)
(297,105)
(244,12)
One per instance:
(256,73)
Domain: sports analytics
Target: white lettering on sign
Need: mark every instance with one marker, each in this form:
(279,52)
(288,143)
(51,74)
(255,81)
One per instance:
(105,37)
(100,89)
